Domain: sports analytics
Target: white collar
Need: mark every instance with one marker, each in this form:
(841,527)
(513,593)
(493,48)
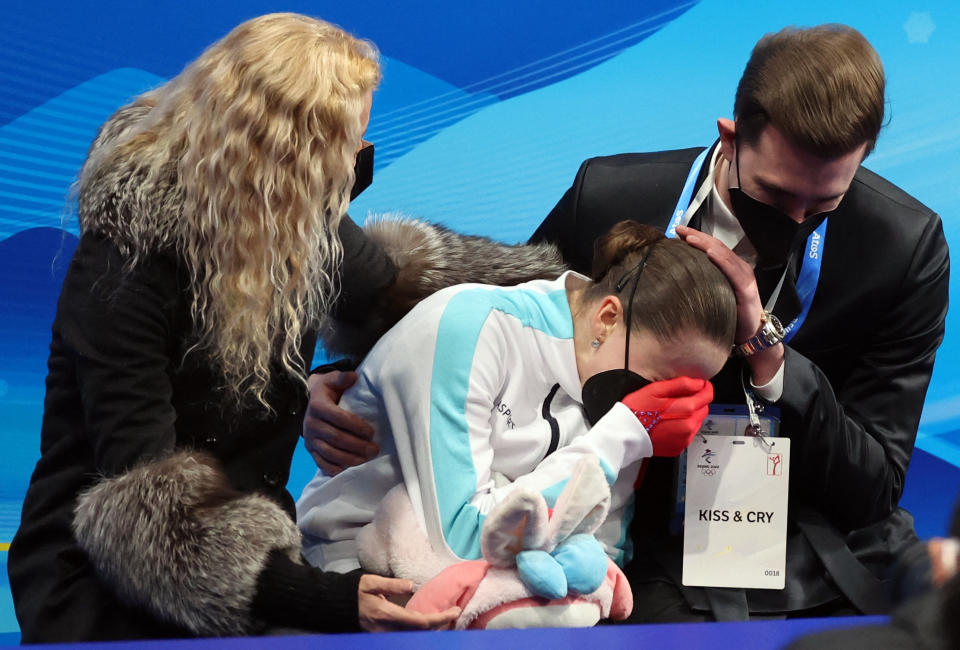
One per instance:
(718,221)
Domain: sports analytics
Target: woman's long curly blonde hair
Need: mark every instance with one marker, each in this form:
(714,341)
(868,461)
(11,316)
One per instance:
(243,164)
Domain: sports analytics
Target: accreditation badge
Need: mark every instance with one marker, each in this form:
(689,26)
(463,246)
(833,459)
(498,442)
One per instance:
(735,518)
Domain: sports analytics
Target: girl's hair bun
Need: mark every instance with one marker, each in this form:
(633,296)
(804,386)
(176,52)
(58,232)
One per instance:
(625,238)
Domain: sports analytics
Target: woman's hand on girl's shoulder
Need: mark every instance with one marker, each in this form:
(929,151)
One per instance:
(335,438)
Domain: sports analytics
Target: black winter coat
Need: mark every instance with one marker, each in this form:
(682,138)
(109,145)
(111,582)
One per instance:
(123,390)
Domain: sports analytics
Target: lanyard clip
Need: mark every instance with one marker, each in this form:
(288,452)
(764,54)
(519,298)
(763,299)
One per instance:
(754,409)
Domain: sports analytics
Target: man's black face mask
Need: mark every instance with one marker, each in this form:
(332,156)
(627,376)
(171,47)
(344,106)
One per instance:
(771,231)
(606,388)
(362,170)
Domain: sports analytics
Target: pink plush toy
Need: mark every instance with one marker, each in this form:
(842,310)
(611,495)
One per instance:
(539,569)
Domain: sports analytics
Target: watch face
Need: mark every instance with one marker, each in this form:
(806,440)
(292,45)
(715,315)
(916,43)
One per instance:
(772,331)
(777,326)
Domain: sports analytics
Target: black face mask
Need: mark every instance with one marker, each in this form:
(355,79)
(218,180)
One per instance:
(606,388)
(771,231)
(362,170)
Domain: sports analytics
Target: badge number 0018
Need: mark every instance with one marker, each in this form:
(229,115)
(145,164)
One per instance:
(735,519)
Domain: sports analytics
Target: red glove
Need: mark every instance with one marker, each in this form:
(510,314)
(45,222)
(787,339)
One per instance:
(671,411)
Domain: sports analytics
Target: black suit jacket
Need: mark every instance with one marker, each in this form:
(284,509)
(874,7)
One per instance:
(855,374)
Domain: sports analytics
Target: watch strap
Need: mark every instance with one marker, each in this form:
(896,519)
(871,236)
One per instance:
(770,333)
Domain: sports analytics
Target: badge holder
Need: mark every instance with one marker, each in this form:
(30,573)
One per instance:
(750,419)
(735,506)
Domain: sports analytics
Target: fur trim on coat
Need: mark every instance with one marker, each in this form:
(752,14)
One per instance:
(429,257)
(174,538)
(120,188)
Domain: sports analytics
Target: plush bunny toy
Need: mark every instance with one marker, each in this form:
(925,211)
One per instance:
(539,568)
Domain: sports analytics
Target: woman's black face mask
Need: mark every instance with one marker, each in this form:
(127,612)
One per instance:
(362,170)
(606,388)
(771,231)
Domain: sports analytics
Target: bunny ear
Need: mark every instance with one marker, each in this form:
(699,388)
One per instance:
(584,502)
(518,523)
(454,586)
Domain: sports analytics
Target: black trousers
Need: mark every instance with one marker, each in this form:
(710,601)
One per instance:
(659,601)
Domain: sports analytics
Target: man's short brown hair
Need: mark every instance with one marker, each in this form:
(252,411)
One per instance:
(822,87)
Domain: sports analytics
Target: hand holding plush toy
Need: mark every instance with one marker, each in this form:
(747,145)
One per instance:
(540,569)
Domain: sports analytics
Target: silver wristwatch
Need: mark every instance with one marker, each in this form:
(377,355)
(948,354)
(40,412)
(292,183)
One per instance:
(771,332)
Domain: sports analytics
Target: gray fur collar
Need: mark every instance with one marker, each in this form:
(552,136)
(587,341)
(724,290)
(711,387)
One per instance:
(429,257)
(116,201)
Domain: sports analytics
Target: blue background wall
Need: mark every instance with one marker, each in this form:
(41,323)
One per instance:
(485,112)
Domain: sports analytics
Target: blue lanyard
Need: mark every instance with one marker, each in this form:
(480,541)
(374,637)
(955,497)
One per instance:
(686,194)
(809,275)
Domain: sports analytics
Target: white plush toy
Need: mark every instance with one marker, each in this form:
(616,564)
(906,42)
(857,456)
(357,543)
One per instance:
(539,568)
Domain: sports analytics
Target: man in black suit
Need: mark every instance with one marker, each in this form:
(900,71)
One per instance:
(849,269)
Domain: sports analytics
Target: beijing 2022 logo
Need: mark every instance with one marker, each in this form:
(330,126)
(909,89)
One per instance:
(707,467)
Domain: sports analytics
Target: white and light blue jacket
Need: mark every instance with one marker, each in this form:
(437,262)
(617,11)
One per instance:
(473,394)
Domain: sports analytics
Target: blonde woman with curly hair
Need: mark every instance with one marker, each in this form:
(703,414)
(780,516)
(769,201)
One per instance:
(212,214)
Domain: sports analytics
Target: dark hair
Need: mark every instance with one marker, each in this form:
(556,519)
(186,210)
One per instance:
(680,287)
(822,87)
